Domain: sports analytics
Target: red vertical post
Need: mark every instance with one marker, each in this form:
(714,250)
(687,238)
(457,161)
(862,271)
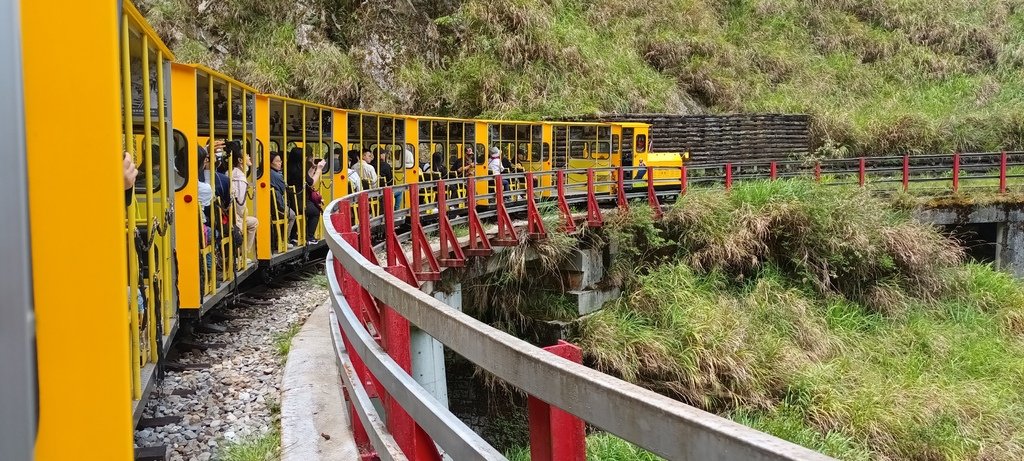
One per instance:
(389,226)
(414,222)
(861,172)
(728,176)
(906,172)
(652,197)
(478,243)
(593,212)
(773,169)
(620,186)
(817,171)
(956,171)
(556,435)
(450,254)
(413,441)
(506,235)
(534,224)
(1002,172)
(365,241)
(568,225)
(682,180)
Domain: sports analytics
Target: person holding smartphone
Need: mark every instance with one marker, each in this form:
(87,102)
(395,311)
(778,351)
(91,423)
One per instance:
(314,201)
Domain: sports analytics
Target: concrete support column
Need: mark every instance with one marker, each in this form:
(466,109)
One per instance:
(1010,248)
(428,353)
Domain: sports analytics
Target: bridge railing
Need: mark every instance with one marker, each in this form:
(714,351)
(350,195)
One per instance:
(374,305)
(924,173)
(376,296)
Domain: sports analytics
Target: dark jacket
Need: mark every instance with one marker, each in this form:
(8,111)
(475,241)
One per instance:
(277,183)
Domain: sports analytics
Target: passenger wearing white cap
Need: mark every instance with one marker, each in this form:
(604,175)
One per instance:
(494,165)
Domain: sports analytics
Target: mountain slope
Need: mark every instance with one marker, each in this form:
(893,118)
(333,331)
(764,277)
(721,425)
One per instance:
(877,76)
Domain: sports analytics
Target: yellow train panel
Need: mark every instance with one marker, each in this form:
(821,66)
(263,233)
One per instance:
(78,257)
(187,206)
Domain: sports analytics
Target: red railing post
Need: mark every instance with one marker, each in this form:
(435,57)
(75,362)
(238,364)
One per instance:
(534,224)
(906,172)
(450,252)
(774,172)
(342,221)
(478,243)
(682,180)
(414,442)
(620,186)
(817,171)
(506,235)
(365,241)
(861,172)
(728,176)
(568,225)
(1002,172)
(556,435)
(956,171)
(652,197)
(420,245)
(593,212)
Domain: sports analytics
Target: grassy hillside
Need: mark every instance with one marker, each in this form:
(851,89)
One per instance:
(877,75)
(833,322)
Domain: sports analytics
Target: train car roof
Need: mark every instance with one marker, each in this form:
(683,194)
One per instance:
(136,15)
(222,76)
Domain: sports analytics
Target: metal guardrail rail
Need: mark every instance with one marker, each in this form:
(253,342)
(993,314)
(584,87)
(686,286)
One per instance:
(373,306)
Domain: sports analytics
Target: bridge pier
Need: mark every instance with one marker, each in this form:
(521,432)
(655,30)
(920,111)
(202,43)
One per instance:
(428,353)
(993,233)
(582,277)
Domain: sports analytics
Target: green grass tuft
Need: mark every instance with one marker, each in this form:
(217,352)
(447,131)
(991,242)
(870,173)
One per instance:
(266,447)
(283,339)
(600,447)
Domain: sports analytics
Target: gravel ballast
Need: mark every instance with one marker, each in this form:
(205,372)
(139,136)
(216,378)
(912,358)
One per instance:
(238,397)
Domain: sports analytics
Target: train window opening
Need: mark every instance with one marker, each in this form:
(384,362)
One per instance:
(257,158)
(181,167)
(535,152)
(601,151)
(641,143)
(615,143)
(139,147)
(338,157)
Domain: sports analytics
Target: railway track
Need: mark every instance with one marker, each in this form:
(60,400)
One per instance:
(222,382)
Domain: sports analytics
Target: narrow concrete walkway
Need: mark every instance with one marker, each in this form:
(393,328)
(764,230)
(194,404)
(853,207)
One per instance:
(314,423)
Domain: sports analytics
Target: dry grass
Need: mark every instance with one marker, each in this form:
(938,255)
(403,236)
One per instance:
(844,327)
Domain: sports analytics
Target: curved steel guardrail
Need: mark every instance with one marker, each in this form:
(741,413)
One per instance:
(657,423)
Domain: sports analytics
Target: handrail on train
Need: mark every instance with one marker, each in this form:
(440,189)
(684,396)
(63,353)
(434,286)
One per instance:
(362,292)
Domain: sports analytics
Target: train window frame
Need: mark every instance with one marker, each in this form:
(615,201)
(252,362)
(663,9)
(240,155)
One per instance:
(183,151)
(616,147)
(584,152)
(140,161)
(338,159)
(411,148)
(641,143)
(597,154)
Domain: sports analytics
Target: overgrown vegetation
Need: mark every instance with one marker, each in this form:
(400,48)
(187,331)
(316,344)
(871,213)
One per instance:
(823,316)
(283,340)
(265,447)
(600,447)
(876,76)
(524,286)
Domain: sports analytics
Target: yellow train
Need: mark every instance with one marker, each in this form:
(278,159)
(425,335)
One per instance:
(105,270)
